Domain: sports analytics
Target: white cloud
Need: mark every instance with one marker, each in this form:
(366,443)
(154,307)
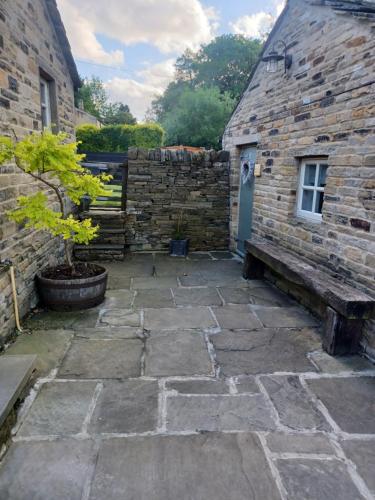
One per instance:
(81,34)
(257,25)
(139,94)
(170,25)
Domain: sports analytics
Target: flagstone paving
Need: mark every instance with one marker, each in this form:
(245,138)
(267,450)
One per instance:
(190,383)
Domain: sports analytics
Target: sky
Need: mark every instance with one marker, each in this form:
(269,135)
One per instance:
(132,44)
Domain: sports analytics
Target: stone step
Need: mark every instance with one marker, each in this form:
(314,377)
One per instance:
(15,374)
(100,251)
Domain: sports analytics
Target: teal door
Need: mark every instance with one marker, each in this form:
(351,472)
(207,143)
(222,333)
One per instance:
(247,159)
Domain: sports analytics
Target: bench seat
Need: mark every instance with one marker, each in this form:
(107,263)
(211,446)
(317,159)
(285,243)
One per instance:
(346,307)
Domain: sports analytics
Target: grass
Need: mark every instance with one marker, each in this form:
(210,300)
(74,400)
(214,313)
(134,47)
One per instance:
(114,191)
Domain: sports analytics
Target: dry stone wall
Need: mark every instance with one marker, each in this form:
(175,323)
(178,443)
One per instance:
(162,183)
(28,42)
(322,106)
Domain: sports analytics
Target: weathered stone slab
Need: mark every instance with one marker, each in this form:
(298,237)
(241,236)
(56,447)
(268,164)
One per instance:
(235,295)
(120,317)
(46,470)
(200,256)
(59,409)
(54,320)
(116,282)
(349,400)
(154,283)
(293,404)
(125,332)
(236,317)
(219,413)
(102,359)
(317,479)
(247,385)
(222,255)
(118,299)
(279,317)
(362,453)
(270,296)
(176,353)
(192,280)
(198,386)
(50,347)
(196,297)
(330,364)
(154,298)
(133,265)
(126,406)
(179,318)
(264,351)
(228,466)
(299,443)
(228,268)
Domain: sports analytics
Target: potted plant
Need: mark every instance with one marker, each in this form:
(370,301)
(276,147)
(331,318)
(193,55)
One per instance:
(51,160)
(179,244)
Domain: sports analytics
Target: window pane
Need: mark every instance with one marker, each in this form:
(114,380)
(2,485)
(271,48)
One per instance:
(42,92)
(309,179)
(322,175)
(307,200)
(44,117)
(319,202)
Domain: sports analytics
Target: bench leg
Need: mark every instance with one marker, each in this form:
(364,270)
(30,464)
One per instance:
(253,268)
(341,335)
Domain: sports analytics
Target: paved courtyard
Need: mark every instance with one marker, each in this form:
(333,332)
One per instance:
(189,383)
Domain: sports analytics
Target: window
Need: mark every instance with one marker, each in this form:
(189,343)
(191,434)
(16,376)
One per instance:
(311,189)
(45,102)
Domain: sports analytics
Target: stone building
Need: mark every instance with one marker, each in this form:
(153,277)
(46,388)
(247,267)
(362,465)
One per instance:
(306,125)
(37,81)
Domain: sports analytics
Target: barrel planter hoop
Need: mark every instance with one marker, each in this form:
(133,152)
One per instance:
(73,294)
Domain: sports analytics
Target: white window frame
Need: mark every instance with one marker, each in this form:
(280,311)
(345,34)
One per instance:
(45,102)
(306,214)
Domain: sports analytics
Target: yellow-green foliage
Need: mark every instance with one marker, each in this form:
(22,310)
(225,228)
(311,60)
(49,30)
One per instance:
(54,161)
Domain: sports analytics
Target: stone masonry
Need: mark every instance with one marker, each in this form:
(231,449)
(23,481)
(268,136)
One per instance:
(323,106)
(162,183)
(29,43)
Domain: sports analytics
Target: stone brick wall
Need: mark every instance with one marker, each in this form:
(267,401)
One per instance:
(323,106)
(161,183)
(28,42)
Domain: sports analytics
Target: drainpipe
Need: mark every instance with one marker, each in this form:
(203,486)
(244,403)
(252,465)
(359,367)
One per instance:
(8,265)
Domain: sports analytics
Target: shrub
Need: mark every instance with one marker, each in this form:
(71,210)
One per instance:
(118,138)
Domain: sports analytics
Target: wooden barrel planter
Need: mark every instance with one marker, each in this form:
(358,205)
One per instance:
(73,294)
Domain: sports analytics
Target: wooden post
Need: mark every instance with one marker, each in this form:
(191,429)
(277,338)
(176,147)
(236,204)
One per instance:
(341,335)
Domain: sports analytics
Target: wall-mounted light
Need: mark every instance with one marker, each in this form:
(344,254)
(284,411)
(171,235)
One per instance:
(274,57)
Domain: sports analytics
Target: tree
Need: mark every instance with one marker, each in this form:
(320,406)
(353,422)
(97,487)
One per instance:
(50,159)
(199,118)
(118,114)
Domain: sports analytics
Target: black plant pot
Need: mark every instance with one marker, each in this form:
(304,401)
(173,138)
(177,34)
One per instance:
(179,248)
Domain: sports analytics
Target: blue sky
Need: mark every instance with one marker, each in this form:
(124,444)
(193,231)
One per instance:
(132,44)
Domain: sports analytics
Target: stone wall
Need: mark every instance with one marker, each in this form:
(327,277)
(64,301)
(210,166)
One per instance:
(28,42)
(161,183)
(322,106)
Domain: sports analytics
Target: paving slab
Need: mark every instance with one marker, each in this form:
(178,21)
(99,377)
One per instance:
(197,467)
(200,256)
(176,353)
(317,479)
(337,364)
(247,385)
(178,318)
(196,297)
(228,268)
(236,317)
(195,280)
(154,283)
(154,298)
(115,299)
(222,255)
(219,413)
(198,386)
(293,404)
(49,346)
(54,320)
(349,400)
(362,454)
(116,282)
(102,359)
(235,295)
(270,296)
(132,265)
(15,372)
(299,443)
(109,332)
(59,409)
(120,317)
(267,350)
(46,470)
(280,317)
(126,406)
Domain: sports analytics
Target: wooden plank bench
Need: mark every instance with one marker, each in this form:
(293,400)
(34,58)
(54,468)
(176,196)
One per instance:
(346,307)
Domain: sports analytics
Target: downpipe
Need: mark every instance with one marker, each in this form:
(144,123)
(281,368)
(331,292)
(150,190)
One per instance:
(8,265)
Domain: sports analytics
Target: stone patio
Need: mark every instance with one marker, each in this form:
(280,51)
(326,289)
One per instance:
(189,383)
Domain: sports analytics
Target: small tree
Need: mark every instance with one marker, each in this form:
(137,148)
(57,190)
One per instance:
(50,159)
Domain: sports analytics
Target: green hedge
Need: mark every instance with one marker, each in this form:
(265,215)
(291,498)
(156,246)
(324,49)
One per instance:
(118,138)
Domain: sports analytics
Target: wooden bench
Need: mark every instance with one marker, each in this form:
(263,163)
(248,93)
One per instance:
(346,307)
